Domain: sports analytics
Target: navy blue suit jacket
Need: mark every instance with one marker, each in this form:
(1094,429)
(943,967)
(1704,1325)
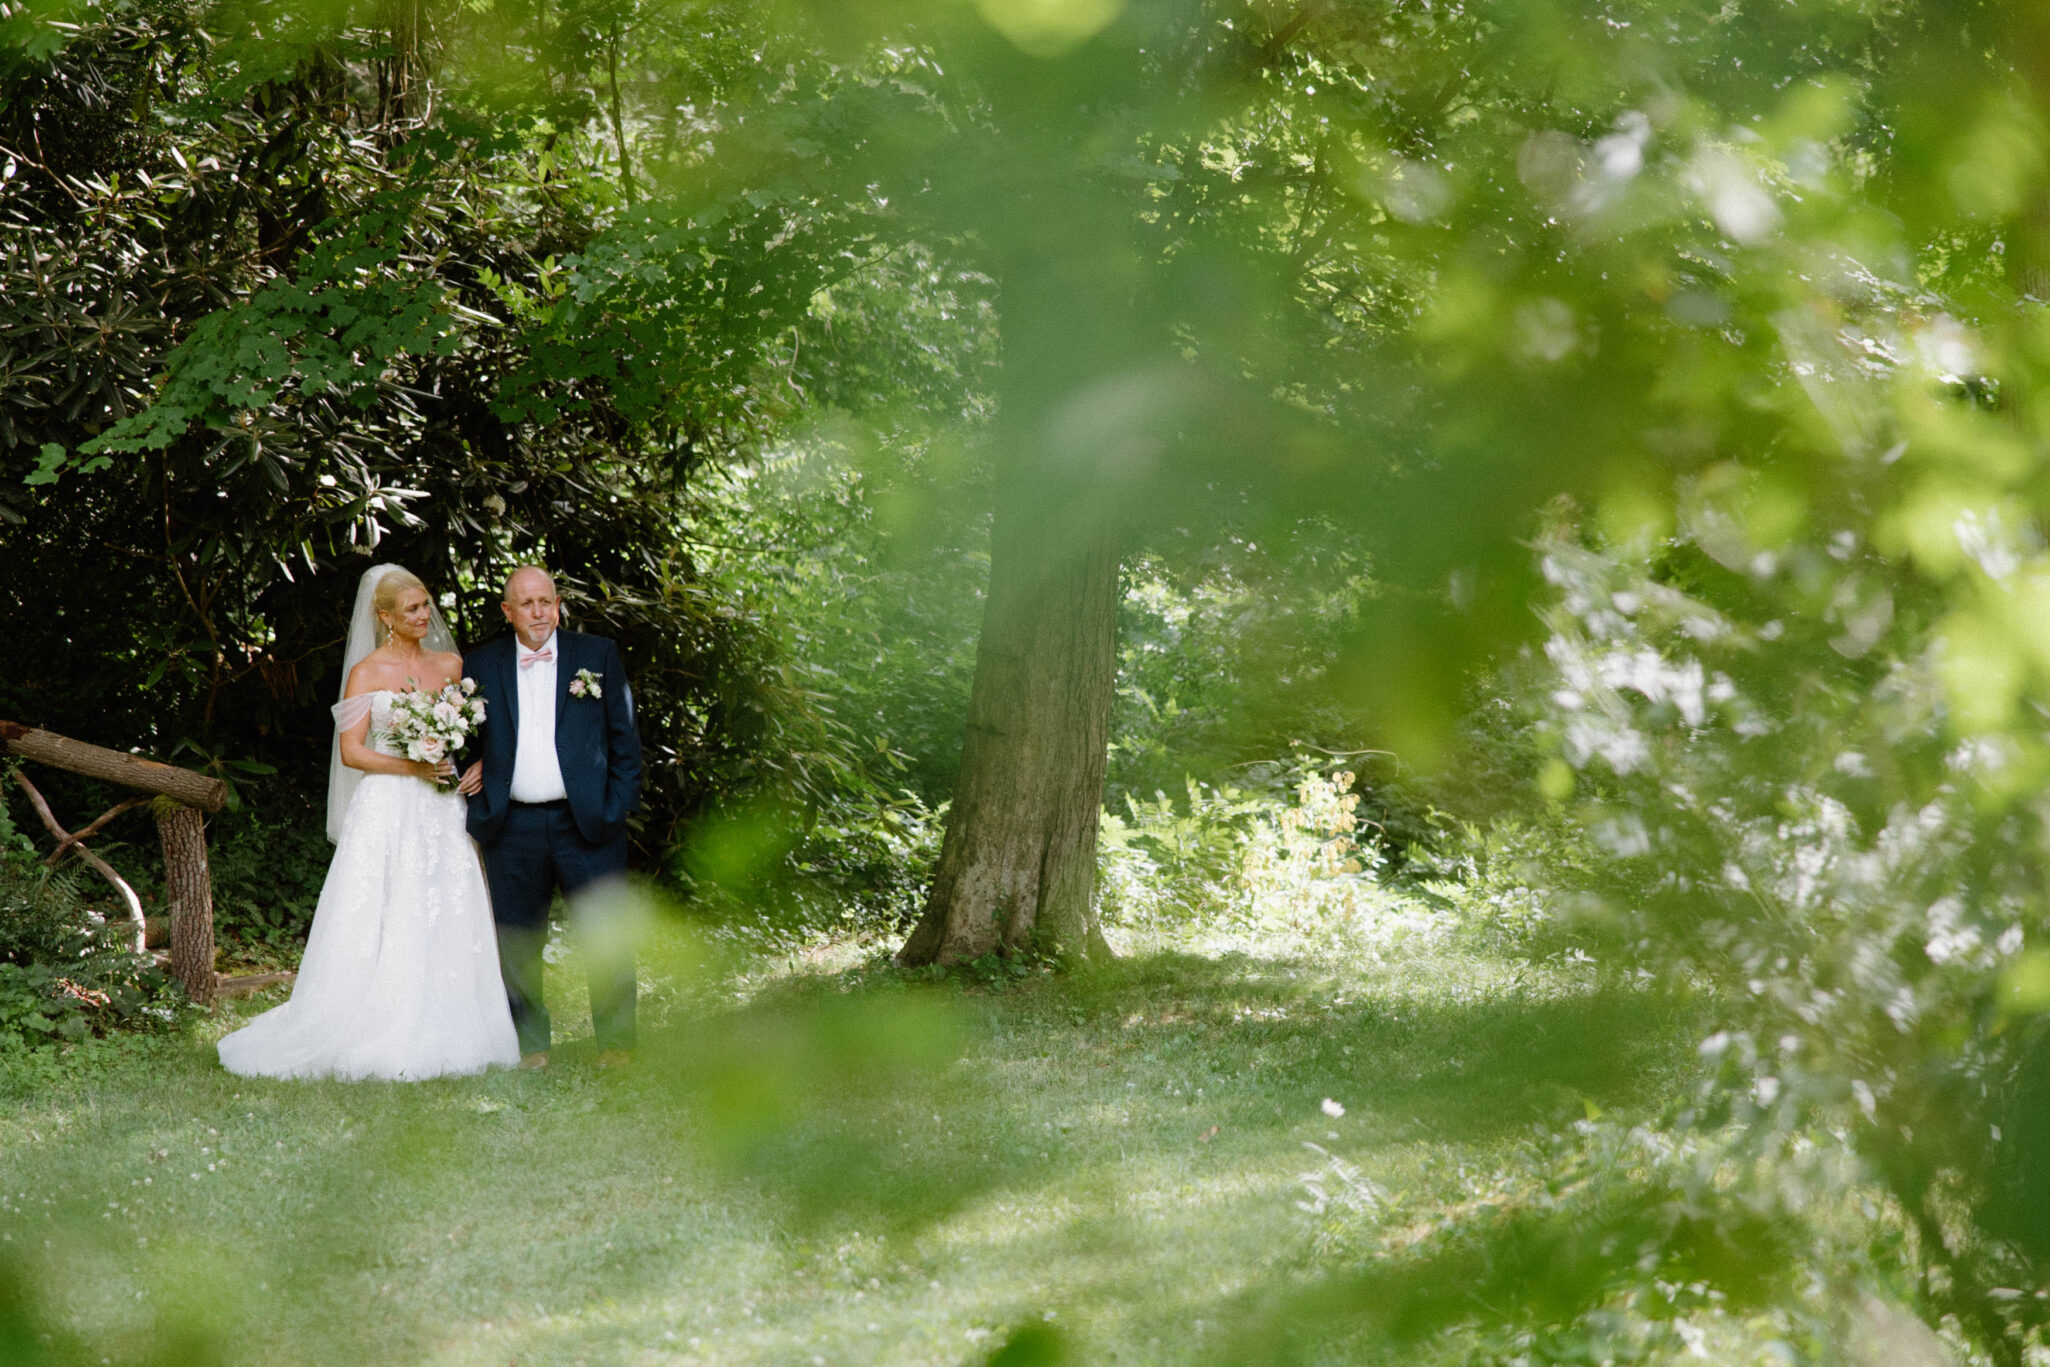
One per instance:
(597,740)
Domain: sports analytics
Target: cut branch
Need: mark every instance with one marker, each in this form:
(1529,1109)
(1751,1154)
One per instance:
(65,838)
(99,823)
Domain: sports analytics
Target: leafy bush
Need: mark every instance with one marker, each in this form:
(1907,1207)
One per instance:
(1285,856)
(1599,1241)
(268,860)
(42,917)
(1751,802)
(1516,883)
(65,973)
(872,862)
(1164,864)
(778,877)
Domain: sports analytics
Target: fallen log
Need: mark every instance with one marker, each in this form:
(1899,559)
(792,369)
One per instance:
(225,986)
(114,766)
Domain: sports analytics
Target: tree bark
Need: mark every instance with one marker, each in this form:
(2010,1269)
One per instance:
(626,170)
(1017,870)
(402,83)
(189,890)
(130,771)
(1079,426)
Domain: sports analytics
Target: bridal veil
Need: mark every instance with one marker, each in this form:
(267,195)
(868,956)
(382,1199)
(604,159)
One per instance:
(341,779)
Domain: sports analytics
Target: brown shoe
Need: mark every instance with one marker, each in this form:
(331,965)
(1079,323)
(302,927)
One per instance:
(614,1058)
(538,1059)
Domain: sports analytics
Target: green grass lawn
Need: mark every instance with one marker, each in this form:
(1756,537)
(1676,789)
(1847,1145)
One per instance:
(821,1163)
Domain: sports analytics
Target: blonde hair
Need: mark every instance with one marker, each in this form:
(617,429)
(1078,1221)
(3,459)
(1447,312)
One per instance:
(385,598)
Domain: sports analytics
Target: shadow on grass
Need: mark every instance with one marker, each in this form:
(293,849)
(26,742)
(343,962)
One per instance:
(872,1102)
(1468,1061)
(1519,1274)
(1231,1054)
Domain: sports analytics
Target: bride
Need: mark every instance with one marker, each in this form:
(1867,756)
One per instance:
(400,977)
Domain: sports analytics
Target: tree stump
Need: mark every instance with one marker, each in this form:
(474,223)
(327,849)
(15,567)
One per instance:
(189,892)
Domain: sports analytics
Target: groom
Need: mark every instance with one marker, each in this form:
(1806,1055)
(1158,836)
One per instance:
(560,771)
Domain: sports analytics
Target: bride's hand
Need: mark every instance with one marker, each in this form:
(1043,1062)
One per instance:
(433,773)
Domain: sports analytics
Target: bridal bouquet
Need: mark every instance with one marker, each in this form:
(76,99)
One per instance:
(436,726)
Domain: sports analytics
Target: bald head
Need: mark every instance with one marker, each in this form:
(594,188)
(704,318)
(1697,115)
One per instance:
(528,579)
(531,607)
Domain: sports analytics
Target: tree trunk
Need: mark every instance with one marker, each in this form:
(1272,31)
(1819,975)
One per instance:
(402,74)
(1017,871)
(189,889)
(1078,429)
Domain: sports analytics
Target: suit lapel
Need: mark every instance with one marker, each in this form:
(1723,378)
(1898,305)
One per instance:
(564,672)
(509,673)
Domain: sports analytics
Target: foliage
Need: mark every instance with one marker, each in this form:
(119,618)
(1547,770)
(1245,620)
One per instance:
(1845,867)
(268,862)
(871,616)
(1284,855)
(1599,1241)
(773,878)
(375,330)
(65,974)
(1225,655)
(46,919)
(1513,884)
(871,611)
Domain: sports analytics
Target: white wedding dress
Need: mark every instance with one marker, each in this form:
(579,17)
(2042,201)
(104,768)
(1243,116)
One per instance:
(400,978)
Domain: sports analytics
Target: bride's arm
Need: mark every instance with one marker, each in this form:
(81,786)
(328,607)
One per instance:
(356,751)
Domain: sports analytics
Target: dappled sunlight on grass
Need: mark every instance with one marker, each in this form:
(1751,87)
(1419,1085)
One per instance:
(852,1165)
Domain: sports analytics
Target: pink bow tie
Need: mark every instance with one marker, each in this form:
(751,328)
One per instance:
(528,661)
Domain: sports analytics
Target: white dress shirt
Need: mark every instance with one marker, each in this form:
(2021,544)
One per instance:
(537,772)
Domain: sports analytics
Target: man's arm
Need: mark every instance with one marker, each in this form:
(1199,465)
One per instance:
(622,740)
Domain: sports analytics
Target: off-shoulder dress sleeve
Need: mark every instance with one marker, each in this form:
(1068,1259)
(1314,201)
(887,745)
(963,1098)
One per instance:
(349,711)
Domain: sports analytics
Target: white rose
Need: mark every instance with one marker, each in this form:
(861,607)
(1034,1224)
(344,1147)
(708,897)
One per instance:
(430,748)
(445,712)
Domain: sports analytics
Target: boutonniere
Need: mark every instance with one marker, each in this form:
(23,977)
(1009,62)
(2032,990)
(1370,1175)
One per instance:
(586,685)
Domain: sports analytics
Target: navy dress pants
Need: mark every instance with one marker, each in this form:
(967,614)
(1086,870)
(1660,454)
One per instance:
(538,851)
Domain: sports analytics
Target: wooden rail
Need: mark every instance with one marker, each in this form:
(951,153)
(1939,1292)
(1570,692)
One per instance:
(182,799)
(130,771)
